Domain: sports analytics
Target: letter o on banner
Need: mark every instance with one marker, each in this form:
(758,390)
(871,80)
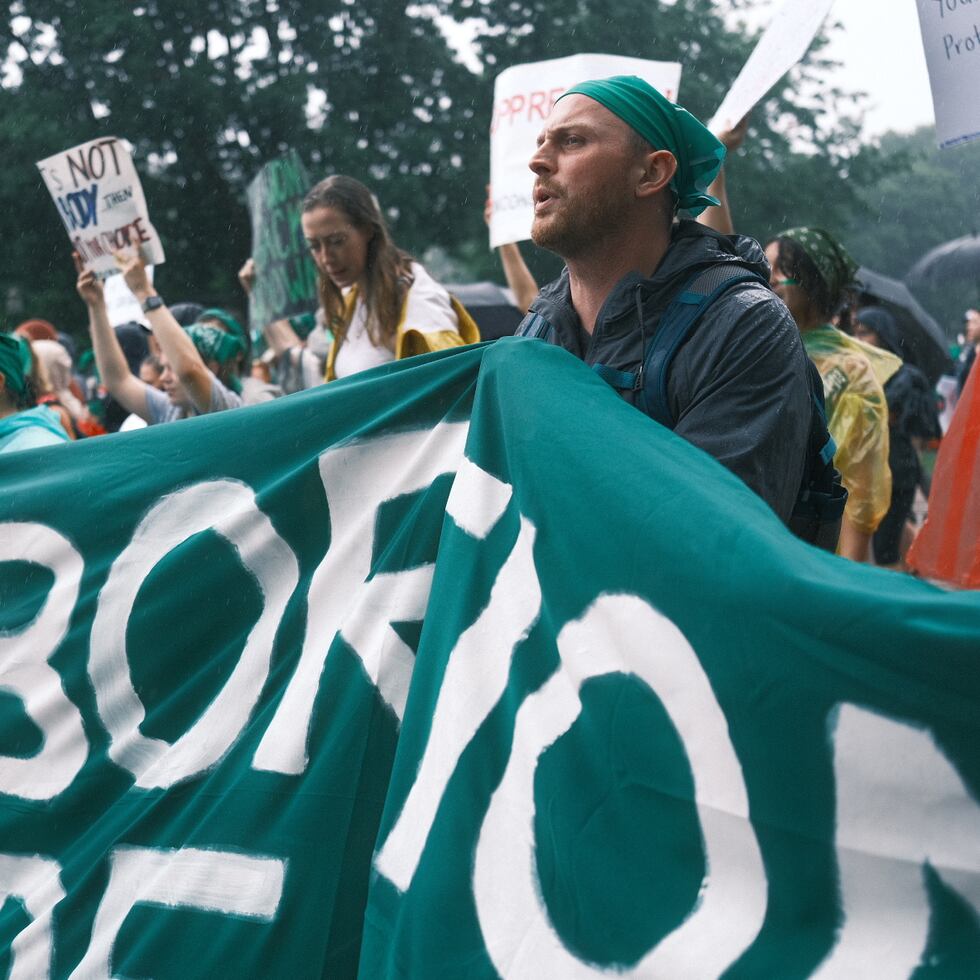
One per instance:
(622,634)
(229,508)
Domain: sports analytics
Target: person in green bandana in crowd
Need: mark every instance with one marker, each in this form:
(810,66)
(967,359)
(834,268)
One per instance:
(621,172)
(23,423)
(201,363)
(810,271)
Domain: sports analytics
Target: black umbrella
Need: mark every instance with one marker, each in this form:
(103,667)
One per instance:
(954,262)
(924,345)
(491,306)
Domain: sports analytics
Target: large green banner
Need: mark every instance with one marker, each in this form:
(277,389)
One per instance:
(463,667)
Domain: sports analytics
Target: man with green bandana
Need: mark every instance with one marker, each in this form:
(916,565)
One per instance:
(620,173)
(200,364)
(23,424)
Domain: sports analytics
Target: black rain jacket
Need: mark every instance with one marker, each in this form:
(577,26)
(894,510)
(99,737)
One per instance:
(738,387)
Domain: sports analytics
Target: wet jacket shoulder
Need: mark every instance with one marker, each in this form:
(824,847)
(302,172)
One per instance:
(738,386)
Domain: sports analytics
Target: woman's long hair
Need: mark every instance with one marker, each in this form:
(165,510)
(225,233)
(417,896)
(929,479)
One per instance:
(387,271)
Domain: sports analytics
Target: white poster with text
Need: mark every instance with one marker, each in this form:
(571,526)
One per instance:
(100,200)
(951,38)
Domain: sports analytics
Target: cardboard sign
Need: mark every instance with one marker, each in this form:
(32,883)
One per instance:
(286,279)
(522,101)
(784,43)
(951,38)
(100,199)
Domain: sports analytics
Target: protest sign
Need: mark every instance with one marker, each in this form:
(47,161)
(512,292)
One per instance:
(410,676)
(100,200)
(951,39)
(783,44)
(522,101)
(286,280)
(121,305)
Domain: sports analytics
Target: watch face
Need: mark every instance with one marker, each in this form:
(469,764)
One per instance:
(152,303)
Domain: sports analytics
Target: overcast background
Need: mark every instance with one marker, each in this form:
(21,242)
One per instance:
(880,50)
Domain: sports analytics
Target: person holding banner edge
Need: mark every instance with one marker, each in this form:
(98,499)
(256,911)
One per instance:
(379,303)
(615,163)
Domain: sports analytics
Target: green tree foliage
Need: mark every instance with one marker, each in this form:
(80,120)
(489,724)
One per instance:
(923,197)
(208,90)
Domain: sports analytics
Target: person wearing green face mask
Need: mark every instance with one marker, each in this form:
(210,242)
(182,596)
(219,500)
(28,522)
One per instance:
(620,173)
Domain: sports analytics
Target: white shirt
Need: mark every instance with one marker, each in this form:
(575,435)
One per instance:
(427,310)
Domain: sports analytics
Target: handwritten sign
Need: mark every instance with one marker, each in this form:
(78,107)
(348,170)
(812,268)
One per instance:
(951,38)
(522,101)
(783,44)
(100,200)
(286,282)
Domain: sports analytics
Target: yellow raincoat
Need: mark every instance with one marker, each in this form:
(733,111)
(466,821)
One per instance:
(854,375)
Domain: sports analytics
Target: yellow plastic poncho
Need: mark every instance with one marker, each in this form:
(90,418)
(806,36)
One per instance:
(854,375)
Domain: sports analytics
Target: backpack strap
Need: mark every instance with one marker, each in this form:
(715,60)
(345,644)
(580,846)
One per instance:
(819,507)
(534,325)
(684,311)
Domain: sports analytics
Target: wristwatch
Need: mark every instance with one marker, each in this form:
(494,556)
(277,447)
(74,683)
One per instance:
(152,303)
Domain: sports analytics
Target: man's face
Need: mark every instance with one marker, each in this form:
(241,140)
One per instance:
(585,164)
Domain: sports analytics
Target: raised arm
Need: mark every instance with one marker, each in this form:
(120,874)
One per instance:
(177,347)
(720,218)
(518,275)
(279,335)
(114,370)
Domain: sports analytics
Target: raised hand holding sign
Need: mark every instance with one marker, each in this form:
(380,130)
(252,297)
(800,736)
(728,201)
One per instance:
(99,197)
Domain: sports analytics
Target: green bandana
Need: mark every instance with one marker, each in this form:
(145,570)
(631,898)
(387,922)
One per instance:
(665,126)
(836,267)
(15,362)
(223,316)
(213,344)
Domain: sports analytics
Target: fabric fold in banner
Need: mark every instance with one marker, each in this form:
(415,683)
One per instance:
(464,667)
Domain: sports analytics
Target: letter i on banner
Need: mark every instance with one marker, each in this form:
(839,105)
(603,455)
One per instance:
(99,197)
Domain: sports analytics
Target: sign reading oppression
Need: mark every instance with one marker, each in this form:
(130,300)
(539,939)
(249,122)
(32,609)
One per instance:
(100,201)
(395,697)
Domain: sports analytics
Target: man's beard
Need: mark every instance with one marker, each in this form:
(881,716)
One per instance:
(579,226)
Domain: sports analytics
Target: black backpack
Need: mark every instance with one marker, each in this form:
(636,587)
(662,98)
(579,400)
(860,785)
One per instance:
(820,502)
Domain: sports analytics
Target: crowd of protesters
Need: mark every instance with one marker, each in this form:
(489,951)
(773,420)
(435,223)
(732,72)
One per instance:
(378,304)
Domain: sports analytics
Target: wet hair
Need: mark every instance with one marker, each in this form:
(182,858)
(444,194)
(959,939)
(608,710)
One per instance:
(387,271)
(186,313)
(796,264)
